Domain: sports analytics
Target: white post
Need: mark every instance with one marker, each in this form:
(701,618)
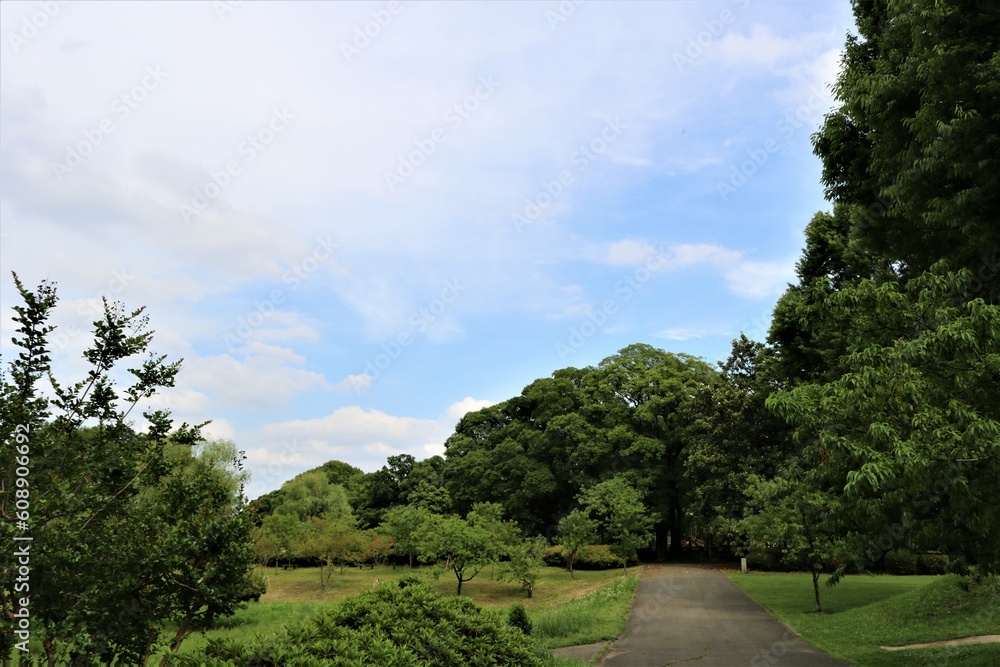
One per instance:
(743,565)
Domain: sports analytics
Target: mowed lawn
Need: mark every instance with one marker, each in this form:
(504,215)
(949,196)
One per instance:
(590,606)
(863,613)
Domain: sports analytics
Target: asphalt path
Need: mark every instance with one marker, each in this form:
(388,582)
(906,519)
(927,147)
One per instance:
(695,617)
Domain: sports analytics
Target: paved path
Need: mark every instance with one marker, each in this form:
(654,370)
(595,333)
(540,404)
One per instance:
(694,616)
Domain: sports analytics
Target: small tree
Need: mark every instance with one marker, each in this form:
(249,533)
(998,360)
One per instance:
(576,530)
(378,547)
(525,561)
(791,512)
(407,525)
(276,537)
(455,544)
(621,515)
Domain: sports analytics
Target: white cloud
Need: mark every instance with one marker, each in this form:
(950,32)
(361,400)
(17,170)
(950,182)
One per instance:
(756,280)
(682,333)
(355,383)
(362,436)
(259,381)
(629,252)
(468,404)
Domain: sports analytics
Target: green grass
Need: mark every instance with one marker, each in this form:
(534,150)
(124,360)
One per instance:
(554,585)
(598,616)
(863,613)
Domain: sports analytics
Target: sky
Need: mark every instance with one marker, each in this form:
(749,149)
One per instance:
(356,222)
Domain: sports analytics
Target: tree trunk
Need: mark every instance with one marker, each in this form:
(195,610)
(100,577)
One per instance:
(816,574)
(676,526)
(182,631)
(660,537)
(149,646)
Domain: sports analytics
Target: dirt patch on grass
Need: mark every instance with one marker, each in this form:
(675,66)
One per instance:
(948,643)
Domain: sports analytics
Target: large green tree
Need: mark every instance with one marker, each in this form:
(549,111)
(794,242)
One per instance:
(735,438)
(535,452)
(913,148)
(912,429)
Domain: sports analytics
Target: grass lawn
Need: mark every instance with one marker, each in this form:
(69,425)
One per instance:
(589,607)
(863,613)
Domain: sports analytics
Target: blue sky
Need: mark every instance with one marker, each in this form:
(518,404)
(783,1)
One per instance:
(356,222)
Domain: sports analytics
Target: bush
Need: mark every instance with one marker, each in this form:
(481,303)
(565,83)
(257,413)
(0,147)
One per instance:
(409,580)
(900,561)
(254,587)
(764,559)
(598,557)
(553,556)
(932,564)
(593,557)
(390,625)
(518,618)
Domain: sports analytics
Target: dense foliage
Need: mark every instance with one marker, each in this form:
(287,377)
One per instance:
(129,531)
(405,624)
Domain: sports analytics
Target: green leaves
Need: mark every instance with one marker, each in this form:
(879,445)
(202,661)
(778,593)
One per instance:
(130,530)
(919,396)
(391,625)
(621,515)
(912,148)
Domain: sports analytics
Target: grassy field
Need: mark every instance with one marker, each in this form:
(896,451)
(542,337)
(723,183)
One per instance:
(595,617)
(589,607)
(863,613)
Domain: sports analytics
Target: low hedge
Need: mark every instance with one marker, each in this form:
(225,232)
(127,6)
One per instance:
(900,561)
(593,557)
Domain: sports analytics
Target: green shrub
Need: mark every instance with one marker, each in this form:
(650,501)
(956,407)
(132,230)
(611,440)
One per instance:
(408,580)
(390,625)
(593,557)
(254,587)
(598,557)
(518,618)
(764,559)
(553,556)
(932,564)
(900,561)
